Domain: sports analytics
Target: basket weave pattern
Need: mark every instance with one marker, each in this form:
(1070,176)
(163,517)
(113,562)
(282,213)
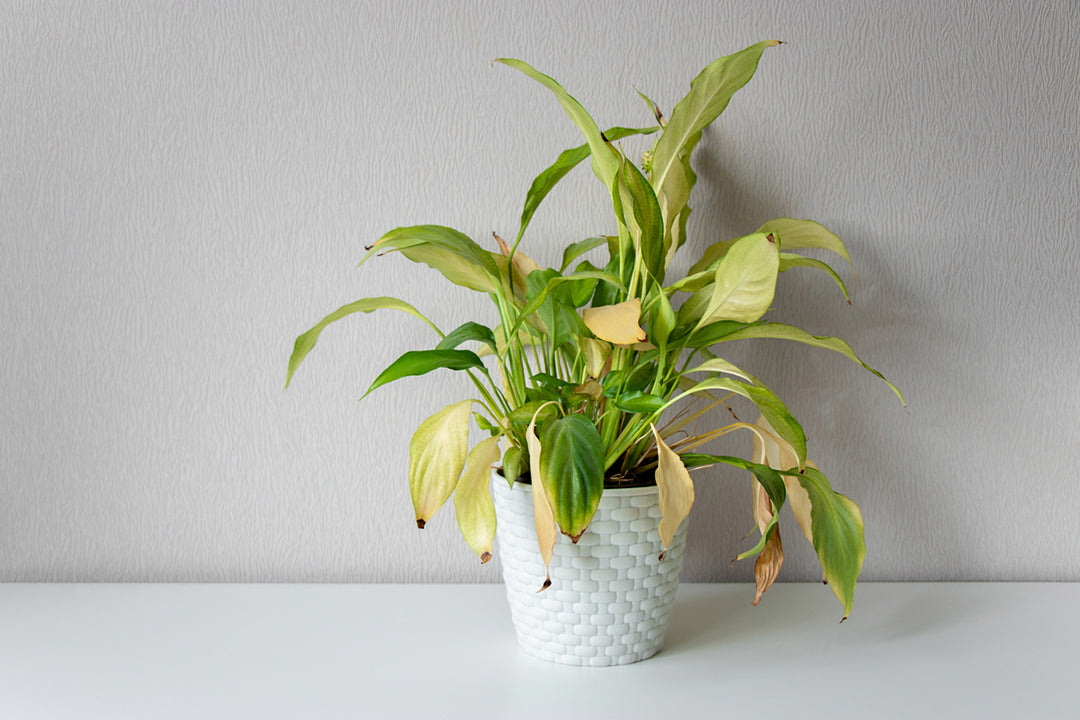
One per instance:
(611,596)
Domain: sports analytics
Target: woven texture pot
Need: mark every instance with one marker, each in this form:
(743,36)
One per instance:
(611,596)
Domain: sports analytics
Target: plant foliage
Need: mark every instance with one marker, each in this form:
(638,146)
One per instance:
(591,362)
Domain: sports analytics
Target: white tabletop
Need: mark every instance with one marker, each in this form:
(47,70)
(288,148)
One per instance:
(386,651)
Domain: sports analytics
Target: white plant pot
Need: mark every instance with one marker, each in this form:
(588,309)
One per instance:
(611,596)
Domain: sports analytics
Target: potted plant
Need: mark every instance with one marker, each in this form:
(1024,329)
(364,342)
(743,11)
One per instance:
(594,376)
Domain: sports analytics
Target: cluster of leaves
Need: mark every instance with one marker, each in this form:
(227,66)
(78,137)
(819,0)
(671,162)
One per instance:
(591,362)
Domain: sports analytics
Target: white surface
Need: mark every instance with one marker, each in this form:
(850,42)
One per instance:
(186,186)
(386,651)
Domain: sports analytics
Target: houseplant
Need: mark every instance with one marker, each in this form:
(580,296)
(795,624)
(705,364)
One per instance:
(593,375)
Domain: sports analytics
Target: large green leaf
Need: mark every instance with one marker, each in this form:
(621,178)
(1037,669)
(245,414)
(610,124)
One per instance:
(771,406)
(605,161)
(572,466)
(838,535)
(419,362)
(306,341)
(787,332)
(437,455)
(709,94)
(745,281)
(639,402)
(469,331)
(648,219)
(796,234)
(452,253)
(567,161)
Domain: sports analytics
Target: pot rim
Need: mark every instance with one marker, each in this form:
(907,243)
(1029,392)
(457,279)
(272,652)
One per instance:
(496,473)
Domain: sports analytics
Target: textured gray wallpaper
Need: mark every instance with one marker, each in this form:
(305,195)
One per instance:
(185,187)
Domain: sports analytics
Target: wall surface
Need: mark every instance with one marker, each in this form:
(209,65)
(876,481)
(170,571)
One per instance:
(185,187)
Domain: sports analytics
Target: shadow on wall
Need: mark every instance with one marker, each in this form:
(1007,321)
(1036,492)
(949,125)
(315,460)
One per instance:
(869,447)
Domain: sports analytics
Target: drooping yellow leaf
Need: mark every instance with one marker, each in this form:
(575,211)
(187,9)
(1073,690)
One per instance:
(676,491)
(436,458)
(472,498)
(617,323)
(547,532)
(780,456)
(523,264)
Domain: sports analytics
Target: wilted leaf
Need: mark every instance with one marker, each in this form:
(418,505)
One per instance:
(617,324)
(472,498)
(437,455)
(547,532)
(838,535)
(767,565)
(676,491)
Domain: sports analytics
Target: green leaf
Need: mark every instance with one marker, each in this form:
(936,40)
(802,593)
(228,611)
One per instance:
(647,217)
(419,362)
(513,463)
(796,234)
(790,260)
(838,535)
(709,94)
(306,341)
(472,499)
(456,256)
(567,161)
(466,332)
(745,281)
(769,478)
(713,333)
(605,161)
(780,331)
(437,454)
(576,250)
(662,318)
(572,466)
(639,402)
(774,410)
(523,414)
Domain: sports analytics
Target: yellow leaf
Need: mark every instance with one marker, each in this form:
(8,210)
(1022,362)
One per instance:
(472,498)
(616,323)
(522,262)
(676,491)
(437,457)
(780,456)
(547,532)
(596,354)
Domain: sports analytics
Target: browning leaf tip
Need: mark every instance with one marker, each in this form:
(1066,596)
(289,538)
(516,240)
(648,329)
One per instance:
(420,523)
(662,554)
(485,557)
(545,586)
